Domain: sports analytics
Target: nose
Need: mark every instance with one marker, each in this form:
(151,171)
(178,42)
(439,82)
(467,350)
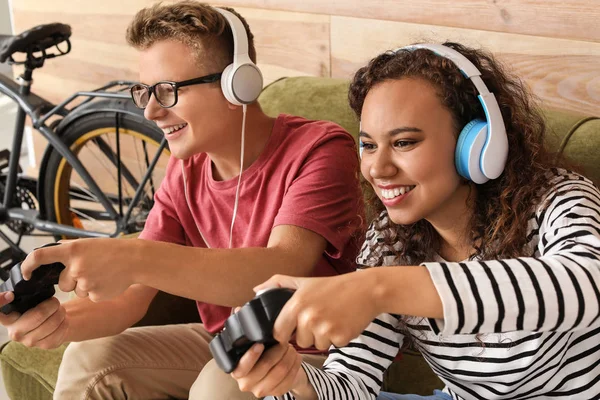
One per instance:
(153,110)
(382,165)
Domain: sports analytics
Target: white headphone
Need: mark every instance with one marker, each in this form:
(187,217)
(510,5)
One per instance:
(241,81)
(482,147)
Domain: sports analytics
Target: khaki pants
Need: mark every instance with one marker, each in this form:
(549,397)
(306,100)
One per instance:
(156,362)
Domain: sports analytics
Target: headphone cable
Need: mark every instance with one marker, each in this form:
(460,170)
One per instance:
(239,184)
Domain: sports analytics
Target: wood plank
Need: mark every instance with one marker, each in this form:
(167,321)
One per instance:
(572,19)
(107,7)
(563,73)
(294,42)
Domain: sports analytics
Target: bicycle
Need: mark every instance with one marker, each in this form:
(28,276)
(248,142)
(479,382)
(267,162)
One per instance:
(126,154)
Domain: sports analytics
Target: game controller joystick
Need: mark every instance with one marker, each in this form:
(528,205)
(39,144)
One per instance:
(253,323)
(38,288)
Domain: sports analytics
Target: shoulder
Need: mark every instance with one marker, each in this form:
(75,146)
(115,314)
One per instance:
(567,189)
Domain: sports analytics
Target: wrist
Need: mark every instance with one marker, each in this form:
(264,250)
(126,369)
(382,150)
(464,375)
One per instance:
(380,291)
(137,253)
(302,389)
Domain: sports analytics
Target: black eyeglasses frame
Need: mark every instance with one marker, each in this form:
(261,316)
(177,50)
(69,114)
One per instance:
(176,85)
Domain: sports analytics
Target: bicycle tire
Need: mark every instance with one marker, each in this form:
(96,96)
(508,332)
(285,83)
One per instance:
(58,180)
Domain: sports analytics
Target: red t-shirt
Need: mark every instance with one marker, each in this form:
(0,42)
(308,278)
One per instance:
(306,176)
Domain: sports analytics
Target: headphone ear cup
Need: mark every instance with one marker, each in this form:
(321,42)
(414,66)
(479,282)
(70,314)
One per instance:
(226,86)
(246,83)
(469,146)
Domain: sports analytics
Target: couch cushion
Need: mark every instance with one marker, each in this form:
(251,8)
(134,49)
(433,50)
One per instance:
(577,138)
(29,373)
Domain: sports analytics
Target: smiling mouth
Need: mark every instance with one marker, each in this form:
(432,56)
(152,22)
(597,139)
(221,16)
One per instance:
(172,129)
(389,194)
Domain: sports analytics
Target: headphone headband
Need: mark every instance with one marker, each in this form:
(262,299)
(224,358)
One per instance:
(240,39)
(495,148)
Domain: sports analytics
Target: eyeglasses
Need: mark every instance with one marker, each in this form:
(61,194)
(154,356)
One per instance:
(165,92)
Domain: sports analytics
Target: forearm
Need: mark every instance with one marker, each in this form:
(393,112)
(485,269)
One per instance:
(89,320)
(404,291)
(216,276)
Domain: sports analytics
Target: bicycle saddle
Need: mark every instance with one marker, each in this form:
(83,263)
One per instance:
(36,39)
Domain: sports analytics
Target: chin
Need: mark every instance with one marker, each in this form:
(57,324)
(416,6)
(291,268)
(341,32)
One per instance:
(403,218)
(180,153)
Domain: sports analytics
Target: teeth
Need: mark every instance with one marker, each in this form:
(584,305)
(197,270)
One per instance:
(391,193)
(173,128)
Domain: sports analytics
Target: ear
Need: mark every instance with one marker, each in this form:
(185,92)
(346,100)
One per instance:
(231,106)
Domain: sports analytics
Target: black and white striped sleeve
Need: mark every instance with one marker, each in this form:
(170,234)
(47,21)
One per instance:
(356,370)
(557,290)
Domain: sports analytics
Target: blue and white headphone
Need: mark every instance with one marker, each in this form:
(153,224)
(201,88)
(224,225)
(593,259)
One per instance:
(482,147)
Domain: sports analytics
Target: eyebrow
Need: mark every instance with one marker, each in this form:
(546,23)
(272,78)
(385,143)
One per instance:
(394,132)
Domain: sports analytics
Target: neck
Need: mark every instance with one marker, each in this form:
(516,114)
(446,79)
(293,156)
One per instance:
(226,159)
(453,224)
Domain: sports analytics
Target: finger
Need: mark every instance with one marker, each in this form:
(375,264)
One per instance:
(279,281)
(6,297)
(48,327)
(322,341)
(33,318)
(56,338)
(269,359)
(41,256)
(8,319)
(304,336)
(248,360)
(80,292)
(294,360)
(286,321)
(66,282)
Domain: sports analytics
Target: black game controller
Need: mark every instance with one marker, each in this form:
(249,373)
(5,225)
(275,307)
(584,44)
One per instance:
(253,323)
(38,288)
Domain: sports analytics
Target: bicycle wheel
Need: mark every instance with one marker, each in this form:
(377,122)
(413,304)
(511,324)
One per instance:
(93,139)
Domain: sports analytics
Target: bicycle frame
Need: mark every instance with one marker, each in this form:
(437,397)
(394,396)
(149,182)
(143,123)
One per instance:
(40,110)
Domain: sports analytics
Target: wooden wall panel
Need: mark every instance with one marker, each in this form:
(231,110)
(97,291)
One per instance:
(288,44)
(571,19)
(565,74)
(553,44)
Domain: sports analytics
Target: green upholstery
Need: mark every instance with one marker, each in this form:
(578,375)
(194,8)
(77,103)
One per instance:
(30,374)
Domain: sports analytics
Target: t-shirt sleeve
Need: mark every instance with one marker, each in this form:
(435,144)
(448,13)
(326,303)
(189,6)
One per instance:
(163,224)
(325,195)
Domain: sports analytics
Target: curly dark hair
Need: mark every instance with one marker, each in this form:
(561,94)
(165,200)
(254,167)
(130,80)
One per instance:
(503,206)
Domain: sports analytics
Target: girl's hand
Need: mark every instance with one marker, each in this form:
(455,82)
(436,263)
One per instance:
(325,311)
(275,373)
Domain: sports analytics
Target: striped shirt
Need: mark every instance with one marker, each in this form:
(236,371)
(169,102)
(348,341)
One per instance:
(525,328)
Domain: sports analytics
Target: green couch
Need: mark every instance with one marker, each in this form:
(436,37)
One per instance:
(30,374)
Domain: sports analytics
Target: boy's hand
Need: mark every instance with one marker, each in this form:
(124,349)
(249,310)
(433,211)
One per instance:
(275,373)
(44,326)
(98,268)
(324,311)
